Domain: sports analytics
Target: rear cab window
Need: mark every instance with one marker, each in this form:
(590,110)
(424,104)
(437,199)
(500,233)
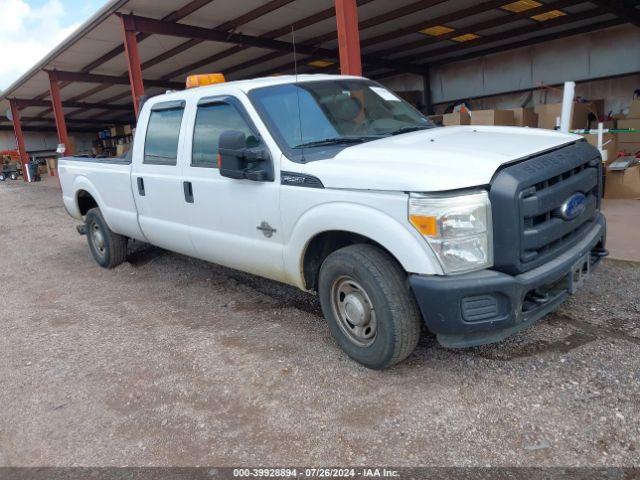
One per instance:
(163,133)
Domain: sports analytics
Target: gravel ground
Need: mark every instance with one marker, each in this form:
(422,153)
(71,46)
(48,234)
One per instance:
(168,360)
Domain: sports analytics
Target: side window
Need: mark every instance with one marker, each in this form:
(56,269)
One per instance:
(163,133)
(211,121)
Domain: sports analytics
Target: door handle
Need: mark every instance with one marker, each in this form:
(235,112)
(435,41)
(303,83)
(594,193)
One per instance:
(141,186)
(188,191)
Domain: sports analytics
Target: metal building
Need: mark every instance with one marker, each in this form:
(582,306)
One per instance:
(132,48)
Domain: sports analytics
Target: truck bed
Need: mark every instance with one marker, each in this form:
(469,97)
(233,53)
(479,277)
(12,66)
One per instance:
(108,181)
(126,160)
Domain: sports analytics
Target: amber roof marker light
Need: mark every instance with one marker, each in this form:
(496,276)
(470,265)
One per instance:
(204,79)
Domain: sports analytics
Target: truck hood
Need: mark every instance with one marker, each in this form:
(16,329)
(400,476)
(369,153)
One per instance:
(431,160)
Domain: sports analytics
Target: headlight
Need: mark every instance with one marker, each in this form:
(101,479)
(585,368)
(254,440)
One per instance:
(457,228)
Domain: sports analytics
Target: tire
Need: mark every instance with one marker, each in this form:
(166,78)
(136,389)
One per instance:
(370,308)
(108,248)
(13,176)
(2,177)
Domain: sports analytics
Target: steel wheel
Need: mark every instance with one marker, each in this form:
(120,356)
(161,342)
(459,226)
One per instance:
(97,239)
(354,310)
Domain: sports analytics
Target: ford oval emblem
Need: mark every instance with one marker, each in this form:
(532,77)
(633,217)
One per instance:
(573,206)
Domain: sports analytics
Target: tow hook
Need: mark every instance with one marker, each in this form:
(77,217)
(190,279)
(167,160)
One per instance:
(539,298)
(82,229)
(600,252)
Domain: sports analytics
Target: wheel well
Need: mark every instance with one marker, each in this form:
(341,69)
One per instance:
(323,245)
(85,202)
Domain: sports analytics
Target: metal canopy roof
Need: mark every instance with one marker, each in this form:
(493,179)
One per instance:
(248,38)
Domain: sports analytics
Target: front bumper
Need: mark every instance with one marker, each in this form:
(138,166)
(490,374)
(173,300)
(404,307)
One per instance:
(487,306)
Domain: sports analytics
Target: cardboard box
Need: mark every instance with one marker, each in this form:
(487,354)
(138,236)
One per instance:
(634,109)
(525,117)
(435,119)
(117,131)
(492,117)
(610,148)
(127,130)
(52,166)
(456,118)
(598,107)
(630,123)
(630,147)
(548,113)
(623,183)
(122,149)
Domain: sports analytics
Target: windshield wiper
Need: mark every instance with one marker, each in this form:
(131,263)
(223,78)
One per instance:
(408,129)
(337,141)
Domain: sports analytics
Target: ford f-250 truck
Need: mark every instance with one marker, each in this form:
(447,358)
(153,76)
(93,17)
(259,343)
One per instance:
(337,186)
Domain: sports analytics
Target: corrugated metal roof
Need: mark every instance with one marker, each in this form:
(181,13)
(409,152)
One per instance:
(388,29)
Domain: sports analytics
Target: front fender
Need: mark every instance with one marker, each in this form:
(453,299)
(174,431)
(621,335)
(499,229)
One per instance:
(407,246)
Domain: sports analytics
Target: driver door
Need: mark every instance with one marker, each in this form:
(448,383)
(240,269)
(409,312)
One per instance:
(232,222)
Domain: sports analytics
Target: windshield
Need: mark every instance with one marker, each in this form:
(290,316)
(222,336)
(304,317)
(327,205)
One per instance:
(337,112)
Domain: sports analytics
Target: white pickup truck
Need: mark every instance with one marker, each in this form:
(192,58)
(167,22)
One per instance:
(337,186)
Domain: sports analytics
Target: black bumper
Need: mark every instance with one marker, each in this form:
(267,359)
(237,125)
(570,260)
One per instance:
(487,306)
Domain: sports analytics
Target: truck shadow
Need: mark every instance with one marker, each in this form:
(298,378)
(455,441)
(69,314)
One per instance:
(522,345)
(518,347)
(140,254)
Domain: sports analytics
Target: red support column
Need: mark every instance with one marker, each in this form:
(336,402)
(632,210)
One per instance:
(133,61)
(58,113)
(17,129)
(348,37)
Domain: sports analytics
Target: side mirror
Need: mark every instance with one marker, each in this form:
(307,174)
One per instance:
(239,162)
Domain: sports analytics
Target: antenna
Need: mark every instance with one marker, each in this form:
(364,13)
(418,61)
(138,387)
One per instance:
(295,69)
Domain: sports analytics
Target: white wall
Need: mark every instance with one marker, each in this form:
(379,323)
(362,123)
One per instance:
(32,140)
(44,140)
(609,52)
(603,53)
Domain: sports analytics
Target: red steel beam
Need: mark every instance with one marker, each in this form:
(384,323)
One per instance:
(505,34)
(278,32)
(174,16)
(58,113)
(71,121)
(133,61)
(348,37)
(27,102)
(484,25)
(64,76)
(230,25)
(17,130)
(159,27)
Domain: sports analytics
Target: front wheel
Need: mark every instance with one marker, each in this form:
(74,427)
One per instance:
(108,248)
(369,306)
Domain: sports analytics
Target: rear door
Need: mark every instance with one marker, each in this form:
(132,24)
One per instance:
(157,178)
(233,222)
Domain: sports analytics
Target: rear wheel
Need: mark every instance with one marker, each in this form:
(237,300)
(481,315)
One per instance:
(108,248)
(369,306)
(2,177)
(13,176)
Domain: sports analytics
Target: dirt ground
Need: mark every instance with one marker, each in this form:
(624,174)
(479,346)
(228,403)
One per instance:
(168,360)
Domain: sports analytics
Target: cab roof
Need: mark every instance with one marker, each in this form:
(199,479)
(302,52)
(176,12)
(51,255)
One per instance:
(247,85)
